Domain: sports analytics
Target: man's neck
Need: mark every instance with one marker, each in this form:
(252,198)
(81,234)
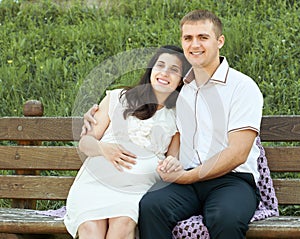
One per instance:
(203,74)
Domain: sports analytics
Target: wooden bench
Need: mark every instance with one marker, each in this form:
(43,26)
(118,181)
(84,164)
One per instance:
(29,158)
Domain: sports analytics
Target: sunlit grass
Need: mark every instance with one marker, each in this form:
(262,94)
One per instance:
(48,48)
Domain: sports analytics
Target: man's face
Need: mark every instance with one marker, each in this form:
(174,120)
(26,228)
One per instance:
(200,44)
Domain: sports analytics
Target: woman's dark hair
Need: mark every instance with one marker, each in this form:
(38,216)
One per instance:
(141,100)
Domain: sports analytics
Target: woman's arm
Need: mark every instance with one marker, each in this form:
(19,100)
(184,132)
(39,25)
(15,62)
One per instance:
(171,162)
(173,149)
(91,145)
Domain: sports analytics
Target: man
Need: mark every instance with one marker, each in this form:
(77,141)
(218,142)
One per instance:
(218,113)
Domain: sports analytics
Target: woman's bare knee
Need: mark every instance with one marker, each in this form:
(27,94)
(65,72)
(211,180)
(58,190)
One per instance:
(121,227)
(93,229)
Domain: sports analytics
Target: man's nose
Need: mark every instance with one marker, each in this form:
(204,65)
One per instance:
(196,42)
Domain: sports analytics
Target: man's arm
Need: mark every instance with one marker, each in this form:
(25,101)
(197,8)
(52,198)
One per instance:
(88,120)
(89,140)
(240,144)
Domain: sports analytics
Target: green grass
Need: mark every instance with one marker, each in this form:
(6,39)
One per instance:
(67,53)
(49,49)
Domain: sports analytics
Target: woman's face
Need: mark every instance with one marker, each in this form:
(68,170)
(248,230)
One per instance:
(166,73)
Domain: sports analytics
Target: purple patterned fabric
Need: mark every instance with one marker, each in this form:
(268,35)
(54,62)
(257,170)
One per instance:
(194,228)
(60,213)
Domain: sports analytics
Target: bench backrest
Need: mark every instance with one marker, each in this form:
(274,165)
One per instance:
(29,168)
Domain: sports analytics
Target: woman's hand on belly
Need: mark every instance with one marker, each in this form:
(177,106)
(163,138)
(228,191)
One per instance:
(117,155)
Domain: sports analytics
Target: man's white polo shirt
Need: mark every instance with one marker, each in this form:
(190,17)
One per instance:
(229,101)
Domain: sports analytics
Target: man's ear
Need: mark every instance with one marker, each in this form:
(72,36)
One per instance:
(221,41)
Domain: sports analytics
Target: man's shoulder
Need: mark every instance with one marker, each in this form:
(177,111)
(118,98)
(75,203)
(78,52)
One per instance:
(236,73)
(242,84)
(238,77)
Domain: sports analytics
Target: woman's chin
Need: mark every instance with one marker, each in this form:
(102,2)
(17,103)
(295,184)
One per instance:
(163,89)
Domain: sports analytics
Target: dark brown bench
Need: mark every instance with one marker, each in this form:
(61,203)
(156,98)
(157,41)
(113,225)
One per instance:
(28,158)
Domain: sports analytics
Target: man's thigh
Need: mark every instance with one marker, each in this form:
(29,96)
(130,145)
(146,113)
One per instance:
(226,197)
(178,200)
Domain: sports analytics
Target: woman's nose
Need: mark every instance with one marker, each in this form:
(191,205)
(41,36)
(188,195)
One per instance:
(165,70)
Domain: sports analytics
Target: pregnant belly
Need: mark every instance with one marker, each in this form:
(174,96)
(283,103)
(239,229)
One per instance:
(139,178)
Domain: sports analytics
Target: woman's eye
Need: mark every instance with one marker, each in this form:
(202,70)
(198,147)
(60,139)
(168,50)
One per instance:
(160,65)
(175,70)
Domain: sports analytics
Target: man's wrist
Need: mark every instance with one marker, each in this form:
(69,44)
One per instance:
(190,176)
(184,178)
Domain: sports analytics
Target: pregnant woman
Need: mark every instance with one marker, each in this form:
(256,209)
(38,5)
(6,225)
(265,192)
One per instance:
(136,129)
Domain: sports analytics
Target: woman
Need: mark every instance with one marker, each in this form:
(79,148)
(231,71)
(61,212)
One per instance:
(137,130)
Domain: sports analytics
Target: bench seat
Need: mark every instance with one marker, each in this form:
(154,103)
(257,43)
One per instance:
(27,221)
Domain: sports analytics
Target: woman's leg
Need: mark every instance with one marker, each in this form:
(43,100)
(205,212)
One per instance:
(163,206)
(94,229)
(121,228)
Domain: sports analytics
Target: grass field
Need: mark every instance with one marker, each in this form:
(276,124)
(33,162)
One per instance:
(67,53)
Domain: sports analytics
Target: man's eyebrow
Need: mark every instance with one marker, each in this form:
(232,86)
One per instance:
(204,35)
(201,35)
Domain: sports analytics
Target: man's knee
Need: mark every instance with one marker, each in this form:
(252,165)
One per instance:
(225,223)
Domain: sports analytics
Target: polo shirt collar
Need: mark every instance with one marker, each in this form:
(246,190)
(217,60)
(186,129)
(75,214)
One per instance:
(219,77)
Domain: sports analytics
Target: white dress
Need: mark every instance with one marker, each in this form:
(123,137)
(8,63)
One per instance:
(99,190)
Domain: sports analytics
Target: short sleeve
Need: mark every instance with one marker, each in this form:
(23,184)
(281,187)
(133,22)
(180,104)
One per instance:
(114,100)
(246,107)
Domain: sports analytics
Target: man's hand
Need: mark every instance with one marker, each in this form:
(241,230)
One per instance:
(88,120)
(117,155)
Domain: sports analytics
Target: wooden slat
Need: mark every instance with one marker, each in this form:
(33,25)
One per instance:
(40,128)
(287,190)
(287,227)
(273,128)
(35,187)
(280,128)
(33,157)
(283,159)
(280,159)
(14,220)
(51,187)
